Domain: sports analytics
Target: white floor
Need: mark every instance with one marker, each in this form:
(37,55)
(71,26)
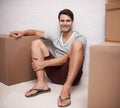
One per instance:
(13,96)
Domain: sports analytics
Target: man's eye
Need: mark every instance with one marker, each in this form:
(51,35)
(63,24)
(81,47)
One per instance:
(68,21)
(62,20)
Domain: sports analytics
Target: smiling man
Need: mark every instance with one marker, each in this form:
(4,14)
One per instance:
(64,64)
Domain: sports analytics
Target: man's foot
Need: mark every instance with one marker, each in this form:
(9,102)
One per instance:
(34,92)
(64,98)
(64,102)
(38,88)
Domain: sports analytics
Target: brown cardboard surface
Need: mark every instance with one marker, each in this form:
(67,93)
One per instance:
(113,5)
(15,59)
(104,76)
(113,21)
(113,0)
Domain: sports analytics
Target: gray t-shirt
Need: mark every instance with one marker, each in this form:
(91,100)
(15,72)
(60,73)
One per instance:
(61,48)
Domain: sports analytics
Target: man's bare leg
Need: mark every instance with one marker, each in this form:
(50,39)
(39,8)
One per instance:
(39,51)
(76,61)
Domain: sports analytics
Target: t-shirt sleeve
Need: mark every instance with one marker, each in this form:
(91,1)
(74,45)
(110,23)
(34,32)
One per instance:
(51,36)
(83,40)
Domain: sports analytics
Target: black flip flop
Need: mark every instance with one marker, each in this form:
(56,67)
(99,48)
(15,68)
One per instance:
(38,91)
(68,98)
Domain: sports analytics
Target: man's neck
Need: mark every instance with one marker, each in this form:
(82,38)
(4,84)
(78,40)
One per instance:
(67,34)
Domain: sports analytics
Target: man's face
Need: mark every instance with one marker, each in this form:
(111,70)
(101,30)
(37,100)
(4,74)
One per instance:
(65,23)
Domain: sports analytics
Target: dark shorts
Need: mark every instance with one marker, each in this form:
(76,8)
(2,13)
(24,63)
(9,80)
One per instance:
(58,74)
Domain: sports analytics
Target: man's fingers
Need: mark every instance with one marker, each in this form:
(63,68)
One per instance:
(35,58)
(15,34)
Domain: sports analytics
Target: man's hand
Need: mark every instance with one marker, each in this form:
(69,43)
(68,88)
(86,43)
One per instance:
(38,65)
(16,34)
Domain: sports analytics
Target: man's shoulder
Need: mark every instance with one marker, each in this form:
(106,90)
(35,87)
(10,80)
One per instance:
(77,34)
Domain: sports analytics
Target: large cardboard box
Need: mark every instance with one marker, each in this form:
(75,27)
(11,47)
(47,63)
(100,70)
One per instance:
(104,76)
(113,21)
(15,59)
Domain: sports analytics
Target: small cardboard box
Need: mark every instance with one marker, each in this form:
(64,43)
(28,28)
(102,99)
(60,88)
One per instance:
(113,0)
(113,21)
(15,59)
(104,76)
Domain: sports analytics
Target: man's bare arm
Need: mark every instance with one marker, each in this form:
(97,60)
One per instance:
(29,32)
(56,61)
(38,65)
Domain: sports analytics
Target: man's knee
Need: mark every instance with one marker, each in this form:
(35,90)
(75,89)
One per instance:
(39,44)
(36,43)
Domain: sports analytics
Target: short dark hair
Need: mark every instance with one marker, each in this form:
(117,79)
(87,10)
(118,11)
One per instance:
(66,12)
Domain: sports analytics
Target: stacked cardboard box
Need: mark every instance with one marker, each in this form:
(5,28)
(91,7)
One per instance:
(104,76)
(113,0)
(15,59)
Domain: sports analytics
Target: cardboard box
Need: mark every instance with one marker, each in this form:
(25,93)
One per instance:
(113,21)
(113,0)
(15,59)
(104,76)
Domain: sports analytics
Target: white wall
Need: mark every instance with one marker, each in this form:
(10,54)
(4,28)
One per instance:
(42,15)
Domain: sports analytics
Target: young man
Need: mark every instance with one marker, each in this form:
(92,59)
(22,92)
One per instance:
(64,64)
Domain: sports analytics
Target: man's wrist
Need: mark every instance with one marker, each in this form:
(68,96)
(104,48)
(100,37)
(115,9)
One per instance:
(46,63)
(23,33)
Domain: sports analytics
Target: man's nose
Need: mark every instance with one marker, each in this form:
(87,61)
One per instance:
(65,22)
